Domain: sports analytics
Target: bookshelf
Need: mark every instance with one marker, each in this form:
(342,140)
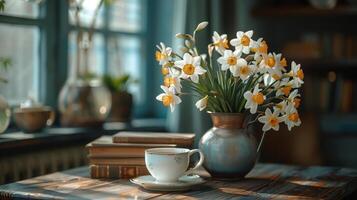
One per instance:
(303,11)
(324,41)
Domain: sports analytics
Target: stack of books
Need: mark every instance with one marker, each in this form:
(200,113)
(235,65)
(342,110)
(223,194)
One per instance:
(123,155)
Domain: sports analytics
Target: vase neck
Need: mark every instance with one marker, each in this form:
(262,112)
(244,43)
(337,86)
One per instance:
(228,120)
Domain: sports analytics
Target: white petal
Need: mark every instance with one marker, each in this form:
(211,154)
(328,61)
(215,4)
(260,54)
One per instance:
(249,33)
(266,127)
(177,99)
(262,119)
(194,78)
(159,97)
(199,70)
(187,58)
(164,88)
(241,62)
(234,42)
(180,63)
(253,109)
(196,60)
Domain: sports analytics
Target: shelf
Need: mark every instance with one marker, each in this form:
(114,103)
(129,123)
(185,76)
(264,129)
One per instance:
(324,65)
(303,11)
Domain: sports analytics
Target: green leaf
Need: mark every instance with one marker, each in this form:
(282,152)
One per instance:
(2,5)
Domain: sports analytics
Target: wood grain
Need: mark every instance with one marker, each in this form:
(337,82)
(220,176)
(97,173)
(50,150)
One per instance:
(265,181)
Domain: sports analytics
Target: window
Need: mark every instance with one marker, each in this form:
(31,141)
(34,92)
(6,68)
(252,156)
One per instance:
(118,42)
(39,36)
(20,39)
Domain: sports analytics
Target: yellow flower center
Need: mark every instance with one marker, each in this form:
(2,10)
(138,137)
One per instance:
(245,40)
(232,60)
(286,90)
(283,62)
(169,81)
(223,44)
(273,121)
(167,100)
(263,48)
(258,98)
(300,74)
(159,56)
(164,71)
(294,117)
(244,70)
(270,61)
(297,102)
(188,69)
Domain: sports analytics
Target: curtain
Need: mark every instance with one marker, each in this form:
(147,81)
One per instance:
(187,14)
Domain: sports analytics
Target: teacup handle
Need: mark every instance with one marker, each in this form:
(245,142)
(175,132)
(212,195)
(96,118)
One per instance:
(200,162)
(51,119)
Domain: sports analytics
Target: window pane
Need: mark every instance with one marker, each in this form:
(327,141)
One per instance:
(125,56)
(96,55)
(21,45)
(87,13)
(22,8)
(126,15)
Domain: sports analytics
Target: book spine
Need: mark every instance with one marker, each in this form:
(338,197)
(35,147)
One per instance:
(117,171)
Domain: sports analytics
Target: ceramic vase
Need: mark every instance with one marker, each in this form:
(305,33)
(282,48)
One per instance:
(230,151)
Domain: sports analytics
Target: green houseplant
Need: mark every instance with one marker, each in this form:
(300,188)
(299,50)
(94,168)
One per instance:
(238,82)
(122,100)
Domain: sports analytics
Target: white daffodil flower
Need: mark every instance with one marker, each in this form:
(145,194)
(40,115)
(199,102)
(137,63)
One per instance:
(220,42)
(281,106)
(230,60)
(291,118)
(254,99)
(163,56)
(172,81)
(190,67)
(272,64)
(284,87)
(243,69)
(297,74)
(169,98)
(270,120)
(294,98)
(202,103)
(260,48)
(243,42)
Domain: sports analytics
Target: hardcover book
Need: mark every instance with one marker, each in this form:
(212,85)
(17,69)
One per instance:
(105,148)
(180,139)
(116,161)
(117,171)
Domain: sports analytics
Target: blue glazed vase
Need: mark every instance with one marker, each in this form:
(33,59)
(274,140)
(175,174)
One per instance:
(230,151)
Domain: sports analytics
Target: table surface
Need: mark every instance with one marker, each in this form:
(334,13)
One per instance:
(263,182)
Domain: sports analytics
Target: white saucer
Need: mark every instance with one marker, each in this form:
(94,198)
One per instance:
(184,183)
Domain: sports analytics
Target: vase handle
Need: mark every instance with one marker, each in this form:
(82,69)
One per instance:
(200,162)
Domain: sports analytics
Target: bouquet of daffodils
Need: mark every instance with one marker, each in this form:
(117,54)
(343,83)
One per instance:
(238,75)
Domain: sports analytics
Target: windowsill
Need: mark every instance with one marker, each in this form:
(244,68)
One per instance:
(54,137)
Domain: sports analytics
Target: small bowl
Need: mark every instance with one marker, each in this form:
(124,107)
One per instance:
(34,119)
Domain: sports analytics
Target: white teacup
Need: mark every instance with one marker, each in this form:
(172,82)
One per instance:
(169,164)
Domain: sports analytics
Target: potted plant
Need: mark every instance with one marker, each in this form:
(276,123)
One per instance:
(238,83)
(122,100)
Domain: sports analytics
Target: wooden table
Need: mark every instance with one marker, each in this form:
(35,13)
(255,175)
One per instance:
(265,181)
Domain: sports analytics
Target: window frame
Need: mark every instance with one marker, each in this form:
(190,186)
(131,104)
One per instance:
(54,27)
